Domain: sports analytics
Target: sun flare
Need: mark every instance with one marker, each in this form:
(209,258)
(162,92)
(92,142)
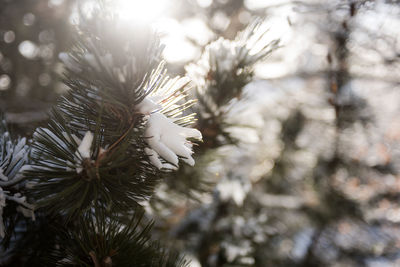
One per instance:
(142,11)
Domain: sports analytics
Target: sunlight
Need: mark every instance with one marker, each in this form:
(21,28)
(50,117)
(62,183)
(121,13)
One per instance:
(139,10)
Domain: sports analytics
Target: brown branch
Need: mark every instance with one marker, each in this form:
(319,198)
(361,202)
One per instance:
(100,156)
(94,259)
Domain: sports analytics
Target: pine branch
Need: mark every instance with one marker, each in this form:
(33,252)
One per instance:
(222,72)
(109,178)
(219,77)
(108,143)
(13,161)
(107,140)
(103,240)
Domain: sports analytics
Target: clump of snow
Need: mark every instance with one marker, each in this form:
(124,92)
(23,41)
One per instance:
(233,188)
(13,158)
(168,141)
(153,156)
(221,55)
(225,53)
(83,151)
(148,105)
(85,145)
(234,251)
(156,161)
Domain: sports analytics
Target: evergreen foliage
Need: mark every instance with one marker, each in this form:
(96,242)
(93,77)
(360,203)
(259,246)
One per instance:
(299,168)
(98,240)
(223,70)
(91,165)
(13,201)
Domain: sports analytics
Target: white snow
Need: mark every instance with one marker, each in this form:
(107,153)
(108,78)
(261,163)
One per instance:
(153,156)
(168,140)
(164,98)
(148,105)
(16,157)
(24,207)
(155,160)
(20,145)
(85,145)
(233,189)
(233,251)
(225,53)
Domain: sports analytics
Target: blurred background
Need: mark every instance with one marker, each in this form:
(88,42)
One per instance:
(315,180)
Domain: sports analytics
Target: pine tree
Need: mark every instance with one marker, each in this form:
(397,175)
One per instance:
(116,177)
(221,74)
(110,140)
